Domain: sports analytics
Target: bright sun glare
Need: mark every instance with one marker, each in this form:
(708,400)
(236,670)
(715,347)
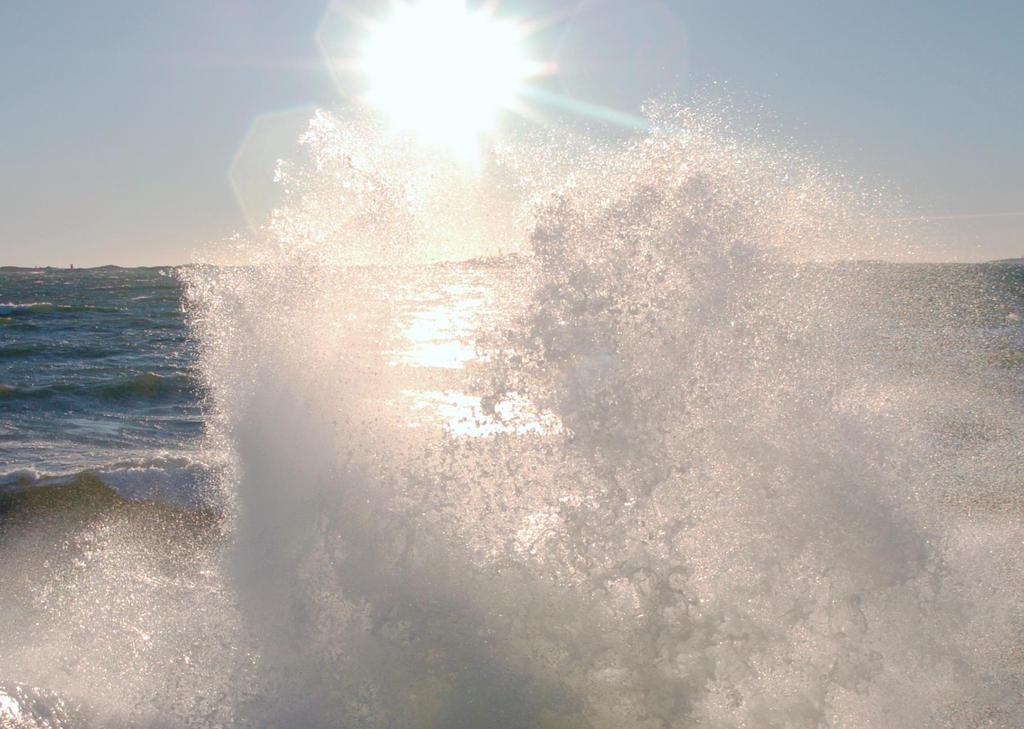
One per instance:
(444,71)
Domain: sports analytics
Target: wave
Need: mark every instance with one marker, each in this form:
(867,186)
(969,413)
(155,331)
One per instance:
(58,349)
(17,324)
(179,480)
(94,583)
(45,307)
(757,503)
(148,386)
(747,514)
(21,351)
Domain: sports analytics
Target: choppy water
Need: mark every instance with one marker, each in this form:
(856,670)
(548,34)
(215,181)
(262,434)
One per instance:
(98,372)
(675,469)
(95,374)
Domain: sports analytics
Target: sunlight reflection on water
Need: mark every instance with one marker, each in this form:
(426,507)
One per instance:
(443,336)
(439,332)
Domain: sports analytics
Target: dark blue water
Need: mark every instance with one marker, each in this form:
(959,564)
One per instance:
(94,375)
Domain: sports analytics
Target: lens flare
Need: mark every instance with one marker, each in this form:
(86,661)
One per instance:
(443,71)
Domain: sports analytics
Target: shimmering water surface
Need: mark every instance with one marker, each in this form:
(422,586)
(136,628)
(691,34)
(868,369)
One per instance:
(95,372)
(97,369)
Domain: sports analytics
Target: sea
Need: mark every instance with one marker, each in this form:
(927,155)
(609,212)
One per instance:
(98,376)
(693,458)
(99,372)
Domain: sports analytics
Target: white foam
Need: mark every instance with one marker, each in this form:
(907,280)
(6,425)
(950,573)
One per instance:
(727,521)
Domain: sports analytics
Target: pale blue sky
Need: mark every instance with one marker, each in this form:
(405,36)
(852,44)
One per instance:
(121,118)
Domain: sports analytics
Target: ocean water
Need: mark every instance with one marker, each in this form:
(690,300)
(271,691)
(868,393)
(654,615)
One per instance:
(96,374)
(682,463)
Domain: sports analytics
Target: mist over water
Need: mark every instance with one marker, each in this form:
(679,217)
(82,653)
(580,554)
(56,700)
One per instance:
(679,466)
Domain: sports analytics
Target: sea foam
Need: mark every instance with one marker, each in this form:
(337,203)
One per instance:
(764,497)
(677,463)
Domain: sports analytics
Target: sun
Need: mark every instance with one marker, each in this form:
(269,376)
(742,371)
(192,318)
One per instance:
(443,71)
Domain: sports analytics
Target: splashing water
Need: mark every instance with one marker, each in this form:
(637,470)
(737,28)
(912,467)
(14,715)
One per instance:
(683,465)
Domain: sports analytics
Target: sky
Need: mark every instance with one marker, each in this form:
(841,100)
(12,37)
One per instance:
(133,132)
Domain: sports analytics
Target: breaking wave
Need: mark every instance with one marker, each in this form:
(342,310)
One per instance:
(169,479)
(756,502)
(712,474)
